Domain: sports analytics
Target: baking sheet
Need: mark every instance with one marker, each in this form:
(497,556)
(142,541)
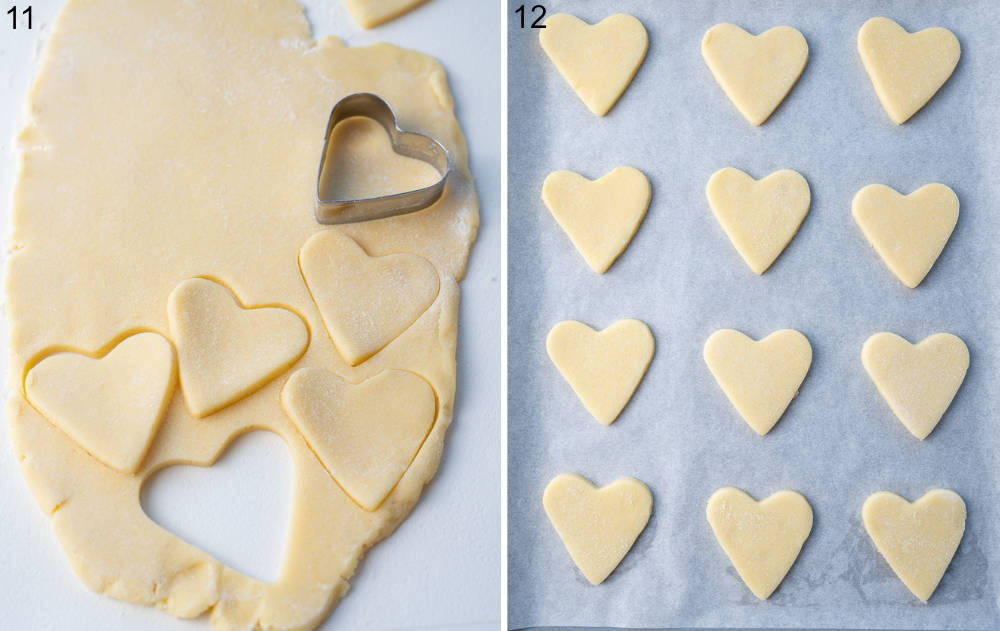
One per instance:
(838,442)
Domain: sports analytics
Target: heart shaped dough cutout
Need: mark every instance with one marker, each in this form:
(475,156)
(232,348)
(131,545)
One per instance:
(598,61)
(906,69)
(227,351)
(918,539)
(110,405)
(597,525)
(366,435)
(365,302)
(371,13)
(600,216)
(762,539)
(908,231)
(756,72)
(918,381)
(759,217)
(759,378)
(603,367)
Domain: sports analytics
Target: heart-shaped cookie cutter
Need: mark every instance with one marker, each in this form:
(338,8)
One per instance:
(406,143)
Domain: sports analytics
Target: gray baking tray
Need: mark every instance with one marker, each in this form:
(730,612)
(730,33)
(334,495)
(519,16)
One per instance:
(838,441)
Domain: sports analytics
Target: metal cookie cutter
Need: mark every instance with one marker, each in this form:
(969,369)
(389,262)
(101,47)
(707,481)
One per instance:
(407,143)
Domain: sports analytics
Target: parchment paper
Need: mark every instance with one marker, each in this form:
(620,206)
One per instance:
(838,442)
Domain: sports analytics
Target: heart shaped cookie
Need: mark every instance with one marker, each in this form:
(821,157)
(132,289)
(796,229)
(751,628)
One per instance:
(756,72)
(227,351)
(762,539)
(365,302)
(366,435)
(759,378)
(110,405)
(918,381)
(597,61)
(906,69)
(759,217)
(918,539)
(600,216)
(371,13)
(908,231)
(603,367)
(597,525)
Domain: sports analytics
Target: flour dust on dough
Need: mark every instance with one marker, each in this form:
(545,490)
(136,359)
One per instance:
(175,145)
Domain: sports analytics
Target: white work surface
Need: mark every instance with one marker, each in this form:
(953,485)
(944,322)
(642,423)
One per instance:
(440,570)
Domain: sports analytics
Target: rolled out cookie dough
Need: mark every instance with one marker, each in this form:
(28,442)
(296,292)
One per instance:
(172,147)
(597,525)
(918,539)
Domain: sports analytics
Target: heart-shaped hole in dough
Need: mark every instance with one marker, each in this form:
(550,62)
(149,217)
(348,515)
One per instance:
(236,510)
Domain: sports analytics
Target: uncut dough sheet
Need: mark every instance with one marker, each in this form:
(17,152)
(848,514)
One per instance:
(838,442)
(166,141)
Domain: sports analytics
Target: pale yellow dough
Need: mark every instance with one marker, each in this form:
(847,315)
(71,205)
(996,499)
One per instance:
(163,146)
(918,539)
(603,367)
(111,405)
(365,435)
(760,217)
(225,350)
(762,539)
(600,216)
(918,381)
(597,525)
(760,378)
(371,13)
(908,231)
(755,71)
(906,69)
(598,61)
(365,302)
